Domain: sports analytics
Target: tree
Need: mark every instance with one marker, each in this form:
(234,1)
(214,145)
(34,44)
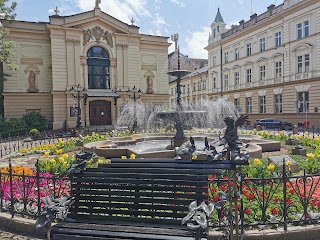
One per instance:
(6,13)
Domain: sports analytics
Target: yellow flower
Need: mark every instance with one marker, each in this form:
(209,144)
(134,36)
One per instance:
(123,157)
(194,157)
(132,156)
(271,167)
(65,156)
(311,156)
(108,161)
(61,159)
(100,161)
(53,161)
(47,154)
(257,162)
(93,133)
(60,140)
(288,163)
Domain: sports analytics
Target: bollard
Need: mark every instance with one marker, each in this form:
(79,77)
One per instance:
(295,129)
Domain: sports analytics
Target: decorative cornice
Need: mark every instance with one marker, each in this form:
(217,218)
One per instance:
(26,60)
(72,41)
(149,67)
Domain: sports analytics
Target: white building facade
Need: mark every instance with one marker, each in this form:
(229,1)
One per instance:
(269,66)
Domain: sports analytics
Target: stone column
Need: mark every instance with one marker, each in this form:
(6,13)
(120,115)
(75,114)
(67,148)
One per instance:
(125,65)
(120,75)
(113,73)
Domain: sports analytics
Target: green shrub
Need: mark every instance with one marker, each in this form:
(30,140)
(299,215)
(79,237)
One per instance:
(34,120)
(34,132)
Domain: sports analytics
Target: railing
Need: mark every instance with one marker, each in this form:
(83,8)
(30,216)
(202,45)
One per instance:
(22,193)
(272,201)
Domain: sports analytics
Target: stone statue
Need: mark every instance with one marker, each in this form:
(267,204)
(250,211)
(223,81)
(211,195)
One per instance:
(150,84)
(32,82)
(231,133)
(98,3)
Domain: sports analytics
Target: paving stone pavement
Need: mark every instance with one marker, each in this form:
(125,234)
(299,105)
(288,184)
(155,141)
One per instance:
(12,236)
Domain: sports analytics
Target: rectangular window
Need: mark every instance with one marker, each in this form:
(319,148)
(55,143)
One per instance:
(236,78)
(171,91)
(300,64)
(306,29)
(249,77)
(262,44)
(304,63)
(199,86)
(278,69)
(226,57)
(262,104)
(188,88)
(236,54)
(214,83)
(278,39)
(204,85)
(214,61)
(249,49)
(237,104)
(278,103)
(183,89)
(262,72)
(303,101)
(248,105)
(299,30)
(226,82)
(194,87)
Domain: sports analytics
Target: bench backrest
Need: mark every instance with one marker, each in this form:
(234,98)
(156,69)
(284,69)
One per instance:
(142,190)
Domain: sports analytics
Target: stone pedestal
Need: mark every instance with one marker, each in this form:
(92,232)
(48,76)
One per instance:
(278,161)
(292,141)
(298,150)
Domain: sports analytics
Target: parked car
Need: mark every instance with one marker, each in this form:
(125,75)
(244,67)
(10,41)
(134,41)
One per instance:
(272,123)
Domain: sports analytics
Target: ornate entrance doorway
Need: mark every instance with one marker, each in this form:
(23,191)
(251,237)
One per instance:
(100,113)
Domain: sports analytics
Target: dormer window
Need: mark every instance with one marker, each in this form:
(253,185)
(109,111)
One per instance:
(218,29)
(214,33)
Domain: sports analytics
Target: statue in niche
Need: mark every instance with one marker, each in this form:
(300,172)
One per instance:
(150,84)
(32,82)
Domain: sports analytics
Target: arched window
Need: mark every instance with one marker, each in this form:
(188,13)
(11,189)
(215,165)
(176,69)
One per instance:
(98,68)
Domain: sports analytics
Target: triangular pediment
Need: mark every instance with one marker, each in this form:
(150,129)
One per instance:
(94,18)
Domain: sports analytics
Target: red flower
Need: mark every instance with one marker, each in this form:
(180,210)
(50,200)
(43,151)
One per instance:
(247,211)
(213,190)
(274,211)
(210,178)
(291,191)
(289,201)
(276,200)
(250,196)
(216,198)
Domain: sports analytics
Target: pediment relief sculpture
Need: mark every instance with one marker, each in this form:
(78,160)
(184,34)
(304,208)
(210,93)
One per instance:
(97,33)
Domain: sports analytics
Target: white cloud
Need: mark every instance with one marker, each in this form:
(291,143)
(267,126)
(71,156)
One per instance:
(196,42)
(159,21)
(178,3)
(122,10)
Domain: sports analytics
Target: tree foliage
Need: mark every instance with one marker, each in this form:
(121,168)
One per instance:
(6,13)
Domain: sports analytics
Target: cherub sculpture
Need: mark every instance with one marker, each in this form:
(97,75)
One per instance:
(231,133)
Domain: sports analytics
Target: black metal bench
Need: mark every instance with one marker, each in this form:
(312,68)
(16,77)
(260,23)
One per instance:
(136,199)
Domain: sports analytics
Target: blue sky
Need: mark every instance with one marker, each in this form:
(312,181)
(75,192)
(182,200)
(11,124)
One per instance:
(190,18)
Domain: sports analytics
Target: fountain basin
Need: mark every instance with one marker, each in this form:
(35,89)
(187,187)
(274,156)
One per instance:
(153,145)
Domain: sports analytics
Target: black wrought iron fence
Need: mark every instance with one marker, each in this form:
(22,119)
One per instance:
(21,191)
(272,201)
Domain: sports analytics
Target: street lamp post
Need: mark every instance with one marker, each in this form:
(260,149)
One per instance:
(76,93)
(134,98)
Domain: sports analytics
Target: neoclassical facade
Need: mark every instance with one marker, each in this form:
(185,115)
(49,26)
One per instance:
(92,49)
(269,65)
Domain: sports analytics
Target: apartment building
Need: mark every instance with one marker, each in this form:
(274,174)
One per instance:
(269,65)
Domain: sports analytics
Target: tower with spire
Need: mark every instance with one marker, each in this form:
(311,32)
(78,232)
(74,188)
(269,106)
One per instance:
(217,28)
